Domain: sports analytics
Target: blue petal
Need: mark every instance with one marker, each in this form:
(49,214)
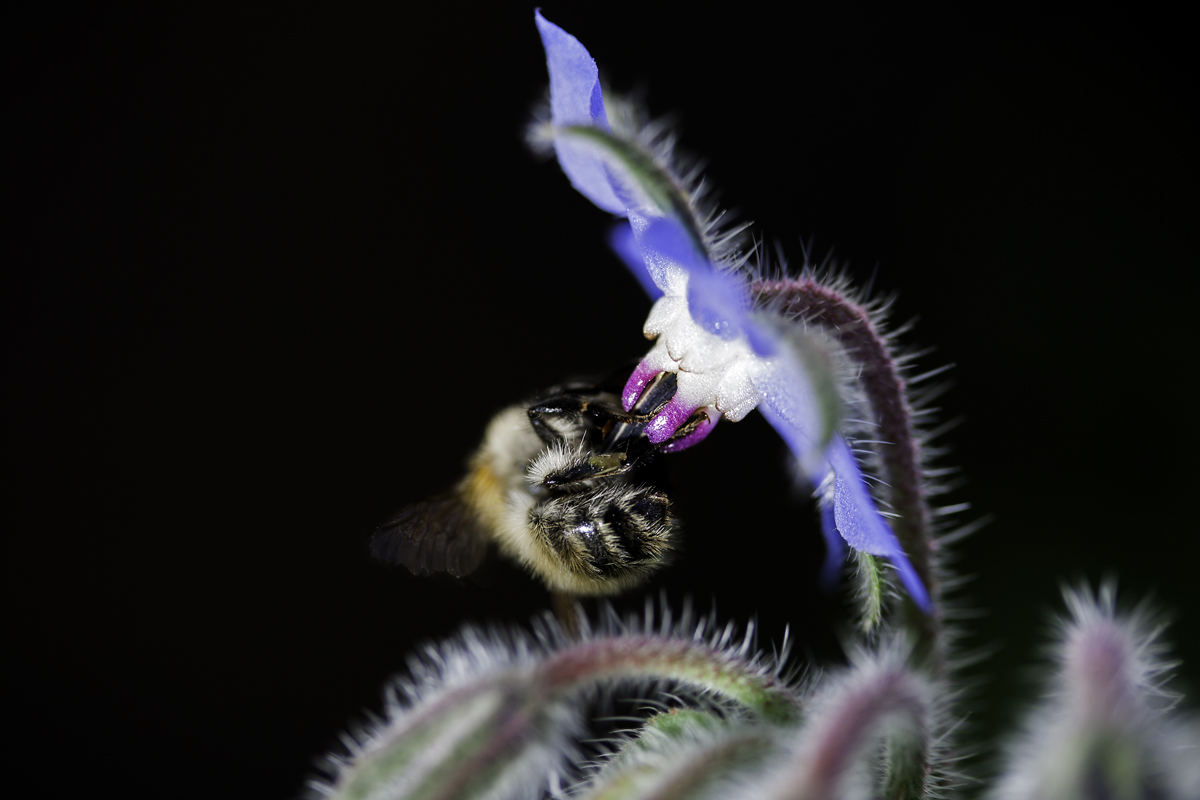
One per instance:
(854,511)
(717,302)
(623,243)
(576,99)
(835,549)
(764,341)
(666,246)
(791,402)
(860,524)
(912,582)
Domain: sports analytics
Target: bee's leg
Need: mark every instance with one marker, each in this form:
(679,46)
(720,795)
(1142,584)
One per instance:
(578,412)
(628,428)
(655,394)
(582,469)
(693,431)
(572,417)
(575,467)
(561,417)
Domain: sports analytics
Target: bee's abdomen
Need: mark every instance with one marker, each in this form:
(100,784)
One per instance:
(606,533)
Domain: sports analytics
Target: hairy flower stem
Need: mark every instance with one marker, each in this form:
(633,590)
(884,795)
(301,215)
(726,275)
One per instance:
(879,377)
(513,719)
(690,662)
(891,702)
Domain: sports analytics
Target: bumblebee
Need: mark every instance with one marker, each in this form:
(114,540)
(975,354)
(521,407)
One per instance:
(562,485)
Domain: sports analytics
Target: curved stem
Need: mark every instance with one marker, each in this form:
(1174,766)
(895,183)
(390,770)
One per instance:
(885,390)
(846,725)
(709,668)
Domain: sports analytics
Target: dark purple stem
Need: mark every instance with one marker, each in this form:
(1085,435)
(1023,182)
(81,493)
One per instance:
(880,379)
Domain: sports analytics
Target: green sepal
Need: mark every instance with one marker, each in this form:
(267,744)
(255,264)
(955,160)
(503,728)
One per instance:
(681,721)
(871,591)
(652,191)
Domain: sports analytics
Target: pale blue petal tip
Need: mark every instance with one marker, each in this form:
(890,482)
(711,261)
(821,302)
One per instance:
(860,524)
(575,95)
(850,516)
(596,107)
(912,582)
(621,240)
(577,100)
(854,511)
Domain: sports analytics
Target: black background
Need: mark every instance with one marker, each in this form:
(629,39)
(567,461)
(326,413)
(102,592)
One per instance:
(272,274)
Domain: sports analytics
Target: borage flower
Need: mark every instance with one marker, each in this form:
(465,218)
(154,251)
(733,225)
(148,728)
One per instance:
(729,356)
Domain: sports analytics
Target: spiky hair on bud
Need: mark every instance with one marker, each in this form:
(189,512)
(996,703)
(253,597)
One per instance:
(1105,728)
(873,729)
(495,712)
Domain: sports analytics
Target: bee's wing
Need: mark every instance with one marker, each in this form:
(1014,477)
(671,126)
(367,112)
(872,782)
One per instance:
(440,534)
